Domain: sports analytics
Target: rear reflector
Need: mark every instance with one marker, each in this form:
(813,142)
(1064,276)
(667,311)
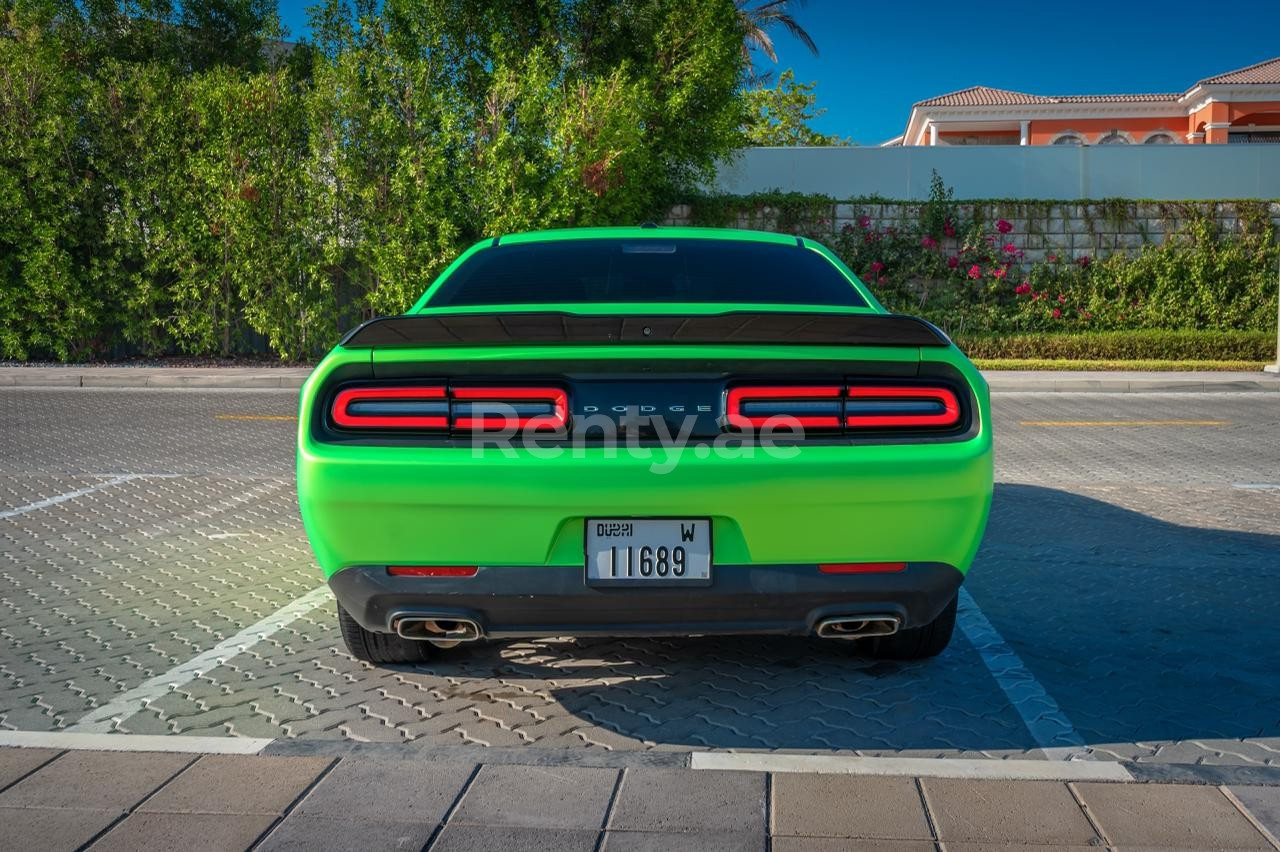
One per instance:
(809,406)
(392,408)
(432,570)
(519,408)
(862,567)
(874,407)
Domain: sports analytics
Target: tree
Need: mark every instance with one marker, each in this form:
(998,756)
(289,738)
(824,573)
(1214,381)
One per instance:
(781,115)
(756,21)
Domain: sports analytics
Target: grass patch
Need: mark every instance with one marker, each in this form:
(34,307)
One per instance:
(1096,364)
(1135,345)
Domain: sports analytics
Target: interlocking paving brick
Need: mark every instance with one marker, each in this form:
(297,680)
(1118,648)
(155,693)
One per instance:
(389,791)
(95,780)
(17,762)
(1164,570)
(1006,812)
(301,833)
(848,806)
(490,838)
(50,830)
(537,797)
(236,784)
(189,832)
(1169,815)
(672,800)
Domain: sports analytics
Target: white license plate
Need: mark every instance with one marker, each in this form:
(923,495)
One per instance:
(648,551)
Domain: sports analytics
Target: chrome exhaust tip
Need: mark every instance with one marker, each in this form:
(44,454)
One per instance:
(441,631)
(858,626)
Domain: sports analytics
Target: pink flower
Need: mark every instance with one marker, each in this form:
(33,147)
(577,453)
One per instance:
(870,237)
(1084,260)
(928,241)
(1057,313)
(948,228)
(1035,297)
(1022,289)
(1010,248)
(864,222)
(1003,227)
(1062,298)
(953,262)
(877,266)
(1053,258)
(975,272)
(991,241)
(881,280)
(999,272)
(847,229)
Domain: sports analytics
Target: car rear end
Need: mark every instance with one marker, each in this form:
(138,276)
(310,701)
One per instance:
(659,467)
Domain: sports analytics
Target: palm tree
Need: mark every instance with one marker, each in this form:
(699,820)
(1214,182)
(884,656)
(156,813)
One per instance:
(756,20)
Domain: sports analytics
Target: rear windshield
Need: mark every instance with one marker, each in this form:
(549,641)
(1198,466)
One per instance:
(646,270)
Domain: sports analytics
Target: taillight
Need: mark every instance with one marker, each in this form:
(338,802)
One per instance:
(518,407)
(872,407)
(437,408)
(809,406)
(392,408)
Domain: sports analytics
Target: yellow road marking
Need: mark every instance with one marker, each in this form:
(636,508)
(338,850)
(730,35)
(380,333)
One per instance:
(1125,423)
(254,417)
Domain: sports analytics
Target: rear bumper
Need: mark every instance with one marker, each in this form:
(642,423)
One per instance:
(515,601)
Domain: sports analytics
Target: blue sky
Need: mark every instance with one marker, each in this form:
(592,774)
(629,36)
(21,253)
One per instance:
(876,59)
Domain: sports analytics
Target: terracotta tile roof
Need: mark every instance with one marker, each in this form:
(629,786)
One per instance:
(985,96)
(1111,99)
(1262,72)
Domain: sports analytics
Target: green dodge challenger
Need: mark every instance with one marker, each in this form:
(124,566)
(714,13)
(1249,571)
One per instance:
(645,432)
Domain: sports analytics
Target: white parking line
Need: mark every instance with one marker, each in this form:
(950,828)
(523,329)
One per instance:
(117,479)
(919,767)
(134,742)
(104,719)
(1045,721)
(1257,486)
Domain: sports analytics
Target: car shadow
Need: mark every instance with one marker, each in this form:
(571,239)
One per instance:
(1141,630)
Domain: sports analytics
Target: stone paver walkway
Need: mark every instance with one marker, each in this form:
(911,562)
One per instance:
(69,800)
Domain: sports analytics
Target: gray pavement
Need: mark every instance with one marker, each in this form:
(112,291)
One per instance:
(1122,604)
(110,800)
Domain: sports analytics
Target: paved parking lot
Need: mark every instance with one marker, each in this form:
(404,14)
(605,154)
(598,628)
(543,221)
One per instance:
(1123,604)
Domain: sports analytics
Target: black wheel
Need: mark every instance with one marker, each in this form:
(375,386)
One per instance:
(917,643)
(379,648)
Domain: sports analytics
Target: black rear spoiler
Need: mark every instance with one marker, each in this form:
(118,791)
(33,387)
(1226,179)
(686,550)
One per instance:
(553,327)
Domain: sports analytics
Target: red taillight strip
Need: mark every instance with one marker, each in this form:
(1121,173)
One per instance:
(862,567)
(557,420)
(432,570)
(345,419)
(949,416)
(737,396)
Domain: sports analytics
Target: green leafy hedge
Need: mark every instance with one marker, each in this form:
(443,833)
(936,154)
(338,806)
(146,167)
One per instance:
(171,179)
(1141,344)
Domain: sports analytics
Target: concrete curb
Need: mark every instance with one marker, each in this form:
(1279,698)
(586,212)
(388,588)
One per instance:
(1122,771)
(291,378)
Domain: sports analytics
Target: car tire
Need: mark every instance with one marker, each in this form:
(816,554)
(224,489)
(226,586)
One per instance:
(917,643)
(379,648)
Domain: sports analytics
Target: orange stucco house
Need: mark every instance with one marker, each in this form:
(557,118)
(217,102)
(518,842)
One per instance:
(1238,106)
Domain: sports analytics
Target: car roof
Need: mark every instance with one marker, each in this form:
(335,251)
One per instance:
(641,232)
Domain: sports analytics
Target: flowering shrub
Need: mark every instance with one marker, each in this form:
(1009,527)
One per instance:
(969,276)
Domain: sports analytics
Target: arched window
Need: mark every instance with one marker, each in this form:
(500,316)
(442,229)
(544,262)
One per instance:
(1115,137)
(1068,139)
(1159,139)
